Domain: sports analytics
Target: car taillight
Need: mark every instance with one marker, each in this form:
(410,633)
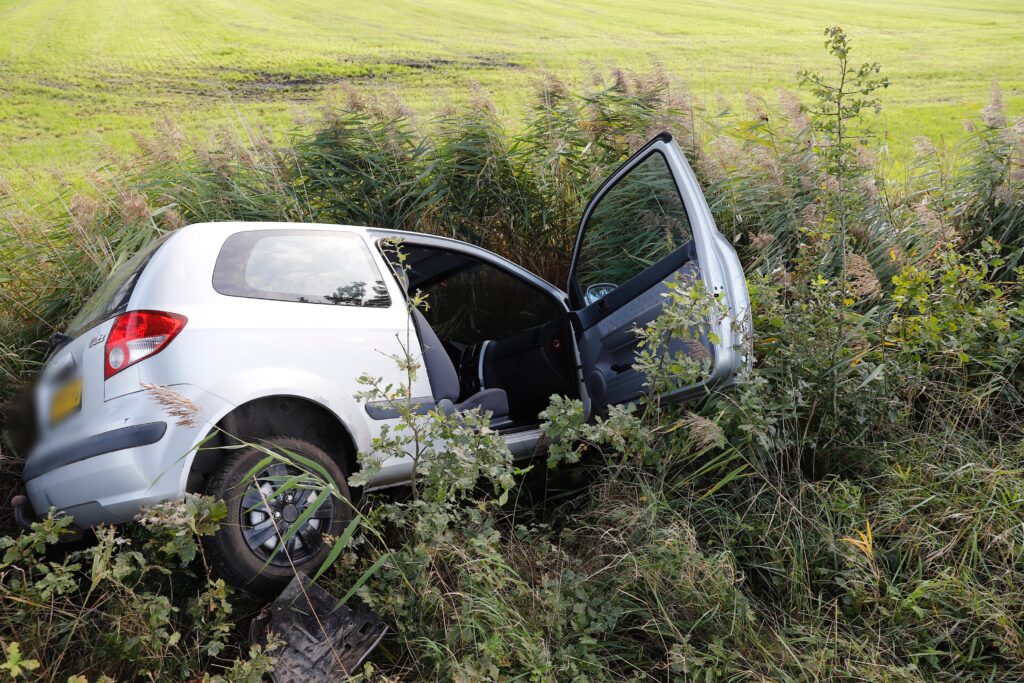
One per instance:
(137,335)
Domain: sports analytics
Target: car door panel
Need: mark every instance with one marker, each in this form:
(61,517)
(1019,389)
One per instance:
(647,225)
(608,348)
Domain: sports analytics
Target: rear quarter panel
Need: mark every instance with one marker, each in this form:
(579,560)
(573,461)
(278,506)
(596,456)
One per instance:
(241,349)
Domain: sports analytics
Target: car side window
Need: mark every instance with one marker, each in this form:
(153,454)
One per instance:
(637,222)
(304,266)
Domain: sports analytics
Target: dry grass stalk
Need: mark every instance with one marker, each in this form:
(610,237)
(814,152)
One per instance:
(924,147)
(550,89)
(994,114)
(174,404)
(932,223)
(705,433)
(861,278)
(793,110)
(84,210)
(760,240)
(173,219)
(134,208)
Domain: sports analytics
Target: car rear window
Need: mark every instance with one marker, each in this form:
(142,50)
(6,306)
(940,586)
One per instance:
(112,296)
(304,266)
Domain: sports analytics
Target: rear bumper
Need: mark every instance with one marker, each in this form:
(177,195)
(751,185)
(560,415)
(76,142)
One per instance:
(104,489)
(133,436)
(134,457)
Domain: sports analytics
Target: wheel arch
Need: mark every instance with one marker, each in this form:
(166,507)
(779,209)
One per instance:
(284,415)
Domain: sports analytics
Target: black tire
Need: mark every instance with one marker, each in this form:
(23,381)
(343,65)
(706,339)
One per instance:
(242,550)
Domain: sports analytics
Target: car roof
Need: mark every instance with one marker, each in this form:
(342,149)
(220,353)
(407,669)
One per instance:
(230,227)
(223,229)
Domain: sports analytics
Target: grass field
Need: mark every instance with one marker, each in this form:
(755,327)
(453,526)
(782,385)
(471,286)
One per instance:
(79,79)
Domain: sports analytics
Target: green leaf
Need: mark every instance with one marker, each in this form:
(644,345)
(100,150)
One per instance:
(339,546)
(365,576)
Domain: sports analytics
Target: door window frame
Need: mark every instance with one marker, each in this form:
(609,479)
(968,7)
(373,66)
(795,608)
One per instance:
(642,280)
(470,251)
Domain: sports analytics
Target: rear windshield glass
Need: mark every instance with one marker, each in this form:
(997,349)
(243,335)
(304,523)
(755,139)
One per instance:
(305,266)
(112,296)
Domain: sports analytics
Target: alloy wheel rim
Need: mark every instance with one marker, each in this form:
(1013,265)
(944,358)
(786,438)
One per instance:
(267,515)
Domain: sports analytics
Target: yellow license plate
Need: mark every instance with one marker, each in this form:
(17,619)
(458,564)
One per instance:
(66,400)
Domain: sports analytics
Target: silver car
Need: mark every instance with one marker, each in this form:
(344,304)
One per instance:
(261,329)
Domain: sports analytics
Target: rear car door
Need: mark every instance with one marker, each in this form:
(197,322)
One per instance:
(649,224)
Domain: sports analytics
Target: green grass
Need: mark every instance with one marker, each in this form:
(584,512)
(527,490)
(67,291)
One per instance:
(79,80)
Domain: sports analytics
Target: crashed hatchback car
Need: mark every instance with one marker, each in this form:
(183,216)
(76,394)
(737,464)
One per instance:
(264,327)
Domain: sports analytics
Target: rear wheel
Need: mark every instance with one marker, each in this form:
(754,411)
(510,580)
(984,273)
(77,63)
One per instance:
(247,550)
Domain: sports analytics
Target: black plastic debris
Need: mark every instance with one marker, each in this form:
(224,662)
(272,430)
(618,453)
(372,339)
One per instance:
(323,640)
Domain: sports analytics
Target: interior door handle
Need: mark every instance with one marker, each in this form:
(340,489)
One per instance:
(619,367)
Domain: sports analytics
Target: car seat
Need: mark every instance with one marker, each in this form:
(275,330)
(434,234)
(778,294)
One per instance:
(444,380)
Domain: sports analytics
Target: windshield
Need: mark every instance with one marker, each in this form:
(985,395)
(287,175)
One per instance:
(112,296)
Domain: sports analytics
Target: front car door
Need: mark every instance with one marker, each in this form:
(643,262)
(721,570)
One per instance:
(649,224)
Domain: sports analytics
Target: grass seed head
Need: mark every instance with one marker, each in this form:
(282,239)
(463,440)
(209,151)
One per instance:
(861,277)
(760,240)
(994,113)
(174,404)
(704,432)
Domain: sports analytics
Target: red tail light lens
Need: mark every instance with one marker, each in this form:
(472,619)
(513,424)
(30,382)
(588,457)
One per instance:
(137,335)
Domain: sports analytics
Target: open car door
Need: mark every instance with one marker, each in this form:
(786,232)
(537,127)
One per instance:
(649,224)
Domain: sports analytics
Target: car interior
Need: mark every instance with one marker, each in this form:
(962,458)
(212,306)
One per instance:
(490,338)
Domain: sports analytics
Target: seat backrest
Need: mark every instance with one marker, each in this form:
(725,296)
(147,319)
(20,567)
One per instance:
(444,380)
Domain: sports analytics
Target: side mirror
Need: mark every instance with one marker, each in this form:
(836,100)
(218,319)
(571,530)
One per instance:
(597,291)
